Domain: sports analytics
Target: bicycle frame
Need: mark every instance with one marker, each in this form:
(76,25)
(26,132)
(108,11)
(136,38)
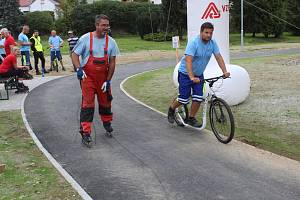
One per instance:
(210,95)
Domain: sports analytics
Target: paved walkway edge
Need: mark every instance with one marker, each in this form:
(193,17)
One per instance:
(59,168)
(155,110)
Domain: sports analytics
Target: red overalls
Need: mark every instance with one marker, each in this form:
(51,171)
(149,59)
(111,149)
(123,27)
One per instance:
(96,70)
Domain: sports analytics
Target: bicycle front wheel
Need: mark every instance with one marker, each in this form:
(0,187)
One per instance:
(221,120)
(181,115)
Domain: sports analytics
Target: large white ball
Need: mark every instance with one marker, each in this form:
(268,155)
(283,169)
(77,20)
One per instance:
(233,90)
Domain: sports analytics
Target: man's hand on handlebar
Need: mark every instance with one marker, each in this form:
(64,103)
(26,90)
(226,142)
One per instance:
(195,80)
(226,74)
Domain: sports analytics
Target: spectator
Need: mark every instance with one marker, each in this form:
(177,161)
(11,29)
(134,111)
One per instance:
(55,43)
(2,50)
(38,53)
(9,41)
(72,40)
(10,68)
(25,46)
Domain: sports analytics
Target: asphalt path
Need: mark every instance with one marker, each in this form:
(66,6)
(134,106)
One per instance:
(147,158)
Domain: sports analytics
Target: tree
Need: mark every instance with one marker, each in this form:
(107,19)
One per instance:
(177,21)
(41,21)
(259,16)
(294,16)
(10,15)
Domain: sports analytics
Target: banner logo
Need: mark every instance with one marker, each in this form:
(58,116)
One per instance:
(211,12)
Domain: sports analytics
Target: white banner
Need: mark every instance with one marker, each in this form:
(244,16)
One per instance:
(216,12)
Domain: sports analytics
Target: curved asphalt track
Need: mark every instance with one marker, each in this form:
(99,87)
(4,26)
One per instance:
(148,158)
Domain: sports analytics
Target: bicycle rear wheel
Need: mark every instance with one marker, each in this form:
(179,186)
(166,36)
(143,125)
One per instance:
(221,120)
(181,114)
(56,65)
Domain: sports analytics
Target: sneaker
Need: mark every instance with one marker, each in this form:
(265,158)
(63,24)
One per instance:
(22,86)
(171,115)
(107,127)
(38,73)
(86,138)
(192,121)
(45,71)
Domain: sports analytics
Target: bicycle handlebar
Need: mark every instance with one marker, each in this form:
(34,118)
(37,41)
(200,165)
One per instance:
(211,81)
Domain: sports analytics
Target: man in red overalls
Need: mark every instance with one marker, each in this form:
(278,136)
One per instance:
(98,52)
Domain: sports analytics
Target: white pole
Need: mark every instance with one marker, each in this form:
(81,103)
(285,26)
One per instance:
(242,25)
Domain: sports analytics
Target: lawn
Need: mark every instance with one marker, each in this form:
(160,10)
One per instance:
(133,43)
(268,119)
(28,174)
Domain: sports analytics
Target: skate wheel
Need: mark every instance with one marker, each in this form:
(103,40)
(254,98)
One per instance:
(108,134)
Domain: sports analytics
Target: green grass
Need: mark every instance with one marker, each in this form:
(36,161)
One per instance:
(28,173)
(133,43)
(235,39)
(268,119)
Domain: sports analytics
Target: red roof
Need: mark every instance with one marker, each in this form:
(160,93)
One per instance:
(24,3)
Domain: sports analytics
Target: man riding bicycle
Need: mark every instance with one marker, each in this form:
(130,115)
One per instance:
(190,73)
(55,42)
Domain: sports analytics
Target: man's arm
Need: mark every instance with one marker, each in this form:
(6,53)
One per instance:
(222,65)
(75,60)
(112,67)
(33,45)
(61,42)
(20,67)
(189,67)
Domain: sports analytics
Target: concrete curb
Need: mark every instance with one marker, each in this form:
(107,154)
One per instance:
(61,170)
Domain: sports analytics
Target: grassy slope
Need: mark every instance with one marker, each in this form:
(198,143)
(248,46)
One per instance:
(28,174)
(269,118)
(133,43)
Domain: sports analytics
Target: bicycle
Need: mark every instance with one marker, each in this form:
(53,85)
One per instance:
(219,113)
(54,65)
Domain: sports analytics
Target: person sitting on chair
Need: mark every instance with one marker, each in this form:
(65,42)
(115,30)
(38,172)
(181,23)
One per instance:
(10,68)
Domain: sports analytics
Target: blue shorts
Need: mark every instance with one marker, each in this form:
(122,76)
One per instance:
(186,86)
(55,54)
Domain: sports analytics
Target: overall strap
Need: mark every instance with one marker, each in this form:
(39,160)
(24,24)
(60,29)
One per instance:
(91,43)
(106,48)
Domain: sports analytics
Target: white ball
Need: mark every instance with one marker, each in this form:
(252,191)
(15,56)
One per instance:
(233,90)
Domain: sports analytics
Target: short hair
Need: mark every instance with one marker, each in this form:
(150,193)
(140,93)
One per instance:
(5,30)
(99,17)
(207,25)
(35,31)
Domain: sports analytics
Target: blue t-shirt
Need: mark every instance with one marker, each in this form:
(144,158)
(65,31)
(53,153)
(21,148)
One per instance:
(2,50)
(201,53)
(23,38)
(55,41)
(83,48)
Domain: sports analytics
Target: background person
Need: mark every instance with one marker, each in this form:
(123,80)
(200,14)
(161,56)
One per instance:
(10,68)
(25,46)
(72,40)
(9,41)
(55,42)
(38,52)
(2,50)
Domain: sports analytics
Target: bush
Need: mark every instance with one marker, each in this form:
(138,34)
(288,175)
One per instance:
(158,37)
(41,21)
(124,17)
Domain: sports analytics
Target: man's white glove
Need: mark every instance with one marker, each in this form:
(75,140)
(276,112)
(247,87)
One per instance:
(105,86)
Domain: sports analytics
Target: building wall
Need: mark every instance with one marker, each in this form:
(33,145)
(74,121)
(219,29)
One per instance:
(42,5)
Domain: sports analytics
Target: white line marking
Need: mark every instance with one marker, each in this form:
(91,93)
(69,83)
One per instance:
(134,99)
(59,168)
(155,110)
